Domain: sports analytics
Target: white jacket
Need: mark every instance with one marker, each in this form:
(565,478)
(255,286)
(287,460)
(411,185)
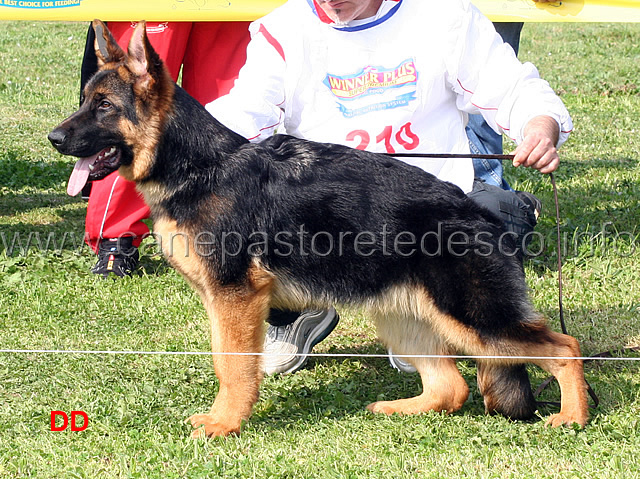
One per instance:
(404,81)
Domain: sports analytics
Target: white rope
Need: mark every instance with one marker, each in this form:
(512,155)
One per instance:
(310,355)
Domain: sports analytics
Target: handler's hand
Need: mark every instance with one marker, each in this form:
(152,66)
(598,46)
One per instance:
(538,149)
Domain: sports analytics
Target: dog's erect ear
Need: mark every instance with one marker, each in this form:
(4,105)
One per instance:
(107,50)
(143,61)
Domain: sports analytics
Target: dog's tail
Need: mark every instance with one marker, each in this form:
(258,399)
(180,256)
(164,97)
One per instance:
(506,390)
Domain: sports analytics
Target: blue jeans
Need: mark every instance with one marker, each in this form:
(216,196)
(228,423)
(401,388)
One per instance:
(482,138)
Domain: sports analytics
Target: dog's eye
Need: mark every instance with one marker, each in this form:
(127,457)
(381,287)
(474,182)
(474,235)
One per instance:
(104,105)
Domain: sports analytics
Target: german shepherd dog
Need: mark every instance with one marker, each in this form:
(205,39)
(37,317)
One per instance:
(293,224)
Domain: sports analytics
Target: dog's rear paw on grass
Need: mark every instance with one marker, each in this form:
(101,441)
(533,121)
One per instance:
(207,426)
(560,419)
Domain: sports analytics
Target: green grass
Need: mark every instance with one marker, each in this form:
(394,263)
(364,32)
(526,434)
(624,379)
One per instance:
(312,423)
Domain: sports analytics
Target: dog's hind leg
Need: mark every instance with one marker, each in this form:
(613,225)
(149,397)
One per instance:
(506,390)
(560,349)
(237,315)
(444,389)
(530,339)
(568,371)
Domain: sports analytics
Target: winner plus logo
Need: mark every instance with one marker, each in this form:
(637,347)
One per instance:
(375,82)
(371,81)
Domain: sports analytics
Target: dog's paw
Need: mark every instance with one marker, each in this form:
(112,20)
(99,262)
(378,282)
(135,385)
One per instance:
(207,426)
(382,407)
(400,406)
(416,405)
(560,419)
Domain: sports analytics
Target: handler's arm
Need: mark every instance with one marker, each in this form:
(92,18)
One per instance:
(510,95)
(253,107)
(538,147)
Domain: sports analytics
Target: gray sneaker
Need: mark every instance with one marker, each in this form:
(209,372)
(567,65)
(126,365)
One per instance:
(286,347)
(400,364)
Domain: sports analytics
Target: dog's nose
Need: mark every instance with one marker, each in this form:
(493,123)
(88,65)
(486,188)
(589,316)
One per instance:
(57,137)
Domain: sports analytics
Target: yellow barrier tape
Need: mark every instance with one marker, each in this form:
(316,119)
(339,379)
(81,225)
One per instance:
(561,11)
(240,10)
(125,10)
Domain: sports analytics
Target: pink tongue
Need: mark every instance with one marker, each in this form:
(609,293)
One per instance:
(79,176)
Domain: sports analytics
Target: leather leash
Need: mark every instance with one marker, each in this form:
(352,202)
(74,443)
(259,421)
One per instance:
(563,326)
(546,382)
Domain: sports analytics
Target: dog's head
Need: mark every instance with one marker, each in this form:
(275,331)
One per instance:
(123,112)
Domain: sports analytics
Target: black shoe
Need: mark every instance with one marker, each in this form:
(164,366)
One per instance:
(531,201)
(117,256)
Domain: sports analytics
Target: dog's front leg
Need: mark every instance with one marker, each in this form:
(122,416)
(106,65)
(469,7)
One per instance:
(237,316)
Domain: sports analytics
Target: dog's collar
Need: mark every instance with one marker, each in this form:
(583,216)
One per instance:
(387,9)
